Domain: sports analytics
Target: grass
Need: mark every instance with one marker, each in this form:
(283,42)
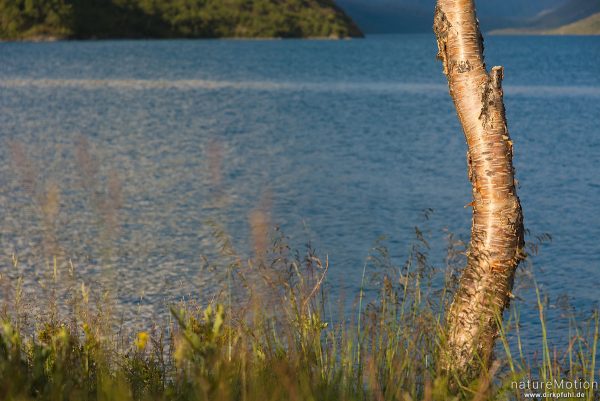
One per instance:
(272,334)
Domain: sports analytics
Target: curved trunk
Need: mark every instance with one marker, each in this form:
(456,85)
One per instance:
(496,245)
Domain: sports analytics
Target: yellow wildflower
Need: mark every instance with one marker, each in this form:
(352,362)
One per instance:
(142,340)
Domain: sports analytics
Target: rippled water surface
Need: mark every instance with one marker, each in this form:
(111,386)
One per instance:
(124,155)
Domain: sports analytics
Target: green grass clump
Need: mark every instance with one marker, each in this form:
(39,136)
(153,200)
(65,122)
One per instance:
(270,334)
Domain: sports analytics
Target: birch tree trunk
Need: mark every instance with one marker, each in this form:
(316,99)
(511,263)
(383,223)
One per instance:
(496,245)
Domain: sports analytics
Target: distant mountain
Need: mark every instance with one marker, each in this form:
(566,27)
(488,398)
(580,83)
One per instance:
(572,11)
(397,16)
(103,19)
(389,16)
(586,26)
(575,17)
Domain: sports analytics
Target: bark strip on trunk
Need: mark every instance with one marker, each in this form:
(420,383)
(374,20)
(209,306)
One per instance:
(496,246)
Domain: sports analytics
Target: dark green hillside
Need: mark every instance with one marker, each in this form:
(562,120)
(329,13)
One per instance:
(87,19)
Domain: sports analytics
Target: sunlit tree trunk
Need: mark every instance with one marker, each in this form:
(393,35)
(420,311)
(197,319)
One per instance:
(496,245)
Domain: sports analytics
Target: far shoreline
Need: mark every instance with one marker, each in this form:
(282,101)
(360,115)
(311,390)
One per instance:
(53,39)
(516,32)
(495,33)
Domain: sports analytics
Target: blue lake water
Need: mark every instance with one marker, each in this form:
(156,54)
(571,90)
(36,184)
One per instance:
(339,141)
